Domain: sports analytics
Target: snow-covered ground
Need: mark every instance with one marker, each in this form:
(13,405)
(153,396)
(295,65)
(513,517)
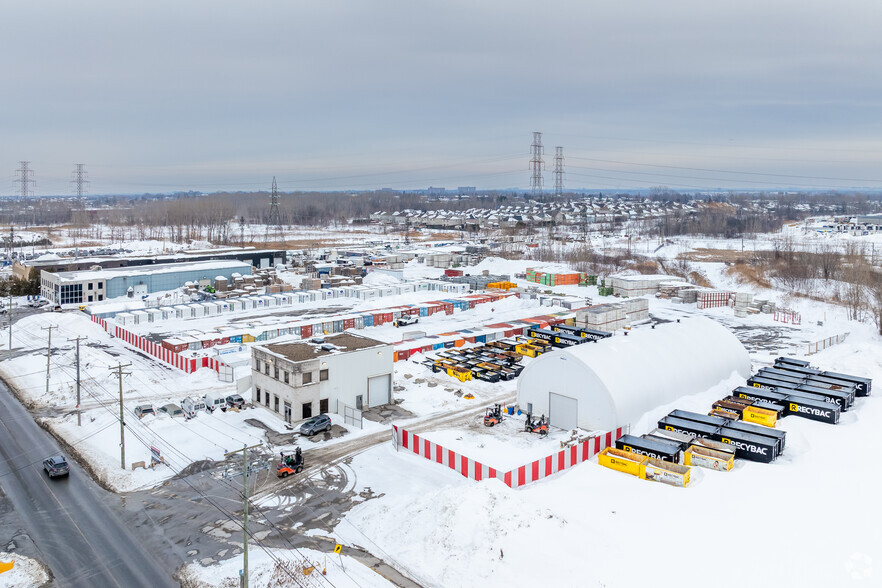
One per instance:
(801,521)
(281,567)
(25,572)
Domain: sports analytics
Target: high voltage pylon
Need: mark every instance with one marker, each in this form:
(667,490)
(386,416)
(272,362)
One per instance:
(275,217)
(79,179)
(536,164)
(558,171)
(25,179)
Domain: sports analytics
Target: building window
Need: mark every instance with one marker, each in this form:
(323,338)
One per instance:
(100,297)
(91,285)
(266,369)
(90,298)
(100,285)
(307,377)
(257,395)
(323,406)
(71,294)
(276,373)
(257,365)
(286,377)
(323,375)
(276,403)
(266,399)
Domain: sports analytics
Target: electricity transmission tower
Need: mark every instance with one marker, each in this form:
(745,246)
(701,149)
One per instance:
(275,217)
(558,171)
(536,164)
(25,179)
(79,181)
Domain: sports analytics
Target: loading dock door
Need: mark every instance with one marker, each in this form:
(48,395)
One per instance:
(379,389)
(563,411)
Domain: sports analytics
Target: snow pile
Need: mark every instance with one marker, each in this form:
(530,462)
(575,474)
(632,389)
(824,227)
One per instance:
(380,278)
(343,571)
(25,572)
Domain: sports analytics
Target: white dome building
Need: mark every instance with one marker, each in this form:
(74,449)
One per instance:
(615,381)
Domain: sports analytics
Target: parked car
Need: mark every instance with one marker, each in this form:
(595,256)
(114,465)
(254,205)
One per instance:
(235,400)
(407,319)
(143,410)
(172,410)
(56,466)
(315,425)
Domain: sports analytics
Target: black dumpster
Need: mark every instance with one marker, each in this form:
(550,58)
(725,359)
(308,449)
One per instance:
(690,428)
(815,410)
(665,451)
(700,418)
(562,340)
(590,334)
(776,434)
(864,385)
(837,397)
(543,334)
(792,361)
(748,446)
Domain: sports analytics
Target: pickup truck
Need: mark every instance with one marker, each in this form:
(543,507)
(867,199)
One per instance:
(407,319)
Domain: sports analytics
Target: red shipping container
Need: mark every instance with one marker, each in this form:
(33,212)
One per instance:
(452,272)
(306,331)
(349,323)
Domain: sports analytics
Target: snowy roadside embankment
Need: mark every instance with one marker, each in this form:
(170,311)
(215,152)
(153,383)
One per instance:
(25,573)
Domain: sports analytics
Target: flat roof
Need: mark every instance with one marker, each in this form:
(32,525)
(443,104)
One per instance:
(193,254)
(304,350)
(145,270)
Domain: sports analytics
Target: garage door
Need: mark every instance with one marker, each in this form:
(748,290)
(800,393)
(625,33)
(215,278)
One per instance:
(379,389)
(563,411)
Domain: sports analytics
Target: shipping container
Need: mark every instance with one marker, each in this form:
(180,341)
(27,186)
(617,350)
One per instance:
(837,397)
(748,446)
(650,447)
(691,428)
(779,437)
(672,474)
(815,410)
(707,458)
(622,461)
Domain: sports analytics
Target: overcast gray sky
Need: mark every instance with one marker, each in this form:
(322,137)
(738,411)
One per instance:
(219,95)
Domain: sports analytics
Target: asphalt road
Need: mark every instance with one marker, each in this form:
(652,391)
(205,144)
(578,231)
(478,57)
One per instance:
(75,530)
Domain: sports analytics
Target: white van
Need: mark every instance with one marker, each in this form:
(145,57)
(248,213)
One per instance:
(191,406)
(212,402)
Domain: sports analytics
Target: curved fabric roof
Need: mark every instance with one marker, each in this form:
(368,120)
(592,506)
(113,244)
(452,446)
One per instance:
(619,379)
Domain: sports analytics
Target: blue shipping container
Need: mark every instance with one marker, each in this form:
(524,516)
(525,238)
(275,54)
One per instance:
(368,320)
(437,346)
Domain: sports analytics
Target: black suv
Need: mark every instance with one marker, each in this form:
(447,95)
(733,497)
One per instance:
(56,466)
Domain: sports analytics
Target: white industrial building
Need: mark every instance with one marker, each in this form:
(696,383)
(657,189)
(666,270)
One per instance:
(615,381)
(300,379)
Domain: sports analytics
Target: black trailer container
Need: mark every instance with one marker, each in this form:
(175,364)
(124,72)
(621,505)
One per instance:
(813,409)
(652,448)
(542,334)
(761,395)
(779,436)
(837,397)
(590,334)
(691,428)
(748,446)
(677,439)
(714,421)
(792,361)
(563,340)
(819,381)
(864,385)
(844,398)
(814,381)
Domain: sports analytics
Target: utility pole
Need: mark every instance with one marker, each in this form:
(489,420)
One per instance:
(48,354)
(558,171)
(9,314)
(536,165)
(245,469)
(122,423)
(79,180)
(25,179)
(77,339)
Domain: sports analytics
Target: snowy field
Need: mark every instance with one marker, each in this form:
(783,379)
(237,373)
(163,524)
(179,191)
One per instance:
(796,522)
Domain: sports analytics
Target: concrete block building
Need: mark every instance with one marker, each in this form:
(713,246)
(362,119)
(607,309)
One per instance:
(300,379)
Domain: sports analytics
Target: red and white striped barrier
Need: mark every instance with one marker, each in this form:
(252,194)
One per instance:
(520,476)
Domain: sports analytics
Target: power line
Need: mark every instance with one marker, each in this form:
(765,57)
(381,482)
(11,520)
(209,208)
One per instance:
(558,171)
(25,179)
(536,165)
(79,181)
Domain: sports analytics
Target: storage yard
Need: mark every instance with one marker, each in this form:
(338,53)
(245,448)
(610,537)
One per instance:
(726,403)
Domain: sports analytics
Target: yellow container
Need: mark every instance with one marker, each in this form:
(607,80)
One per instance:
(666,472)
(760,416)
(247,338)
(711,459)
(525,349)
(622,461)
(460,374)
